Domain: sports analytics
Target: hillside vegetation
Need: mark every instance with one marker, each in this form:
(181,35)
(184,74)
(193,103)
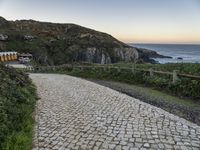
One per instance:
(17,101)
(55,44)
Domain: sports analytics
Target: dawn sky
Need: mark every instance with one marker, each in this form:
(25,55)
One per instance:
(138,21)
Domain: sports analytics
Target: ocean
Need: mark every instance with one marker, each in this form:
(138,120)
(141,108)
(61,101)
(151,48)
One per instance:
(189,53)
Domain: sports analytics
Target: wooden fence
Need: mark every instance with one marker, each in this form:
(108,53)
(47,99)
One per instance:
(175,74)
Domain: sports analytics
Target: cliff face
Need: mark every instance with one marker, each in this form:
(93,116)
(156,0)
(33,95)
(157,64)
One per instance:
(52,43)
(118,54)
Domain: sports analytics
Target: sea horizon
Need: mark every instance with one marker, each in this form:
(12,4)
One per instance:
(180,53)
(163,43)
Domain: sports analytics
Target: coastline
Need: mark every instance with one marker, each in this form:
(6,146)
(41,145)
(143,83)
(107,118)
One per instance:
(179,53)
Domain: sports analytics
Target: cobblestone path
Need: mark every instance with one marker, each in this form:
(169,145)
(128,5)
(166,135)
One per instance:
(77,114)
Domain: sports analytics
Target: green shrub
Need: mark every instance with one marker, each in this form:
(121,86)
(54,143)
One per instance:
(17,101)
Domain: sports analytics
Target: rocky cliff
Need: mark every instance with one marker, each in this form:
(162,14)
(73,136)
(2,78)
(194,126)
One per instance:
(53,43)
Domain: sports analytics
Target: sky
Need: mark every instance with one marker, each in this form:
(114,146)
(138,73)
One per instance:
(131,21)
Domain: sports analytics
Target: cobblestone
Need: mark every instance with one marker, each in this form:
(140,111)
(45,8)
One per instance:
(77,114)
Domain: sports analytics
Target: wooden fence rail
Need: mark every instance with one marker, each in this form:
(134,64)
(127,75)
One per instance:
(151,71)
(175,75)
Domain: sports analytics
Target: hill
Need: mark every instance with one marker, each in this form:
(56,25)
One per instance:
(54,43)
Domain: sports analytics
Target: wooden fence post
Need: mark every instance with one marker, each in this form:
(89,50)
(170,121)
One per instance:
(151,72)
(118,69)
(104,68)
(133,68)
(175,77)
(109,69)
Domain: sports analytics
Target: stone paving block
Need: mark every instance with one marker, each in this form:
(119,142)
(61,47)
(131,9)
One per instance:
(77,114)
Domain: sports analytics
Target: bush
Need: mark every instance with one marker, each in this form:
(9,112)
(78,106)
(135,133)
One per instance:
(17,101)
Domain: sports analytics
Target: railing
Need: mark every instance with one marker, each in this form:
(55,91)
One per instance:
(175,75)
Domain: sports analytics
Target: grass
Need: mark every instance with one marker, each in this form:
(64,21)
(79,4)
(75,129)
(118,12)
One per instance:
(17,102)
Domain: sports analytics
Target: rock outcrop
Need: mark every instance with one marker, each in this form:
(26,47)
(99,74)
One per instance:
(150,53)
(28,37)
(95,55)
(3,37)
(63,43)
